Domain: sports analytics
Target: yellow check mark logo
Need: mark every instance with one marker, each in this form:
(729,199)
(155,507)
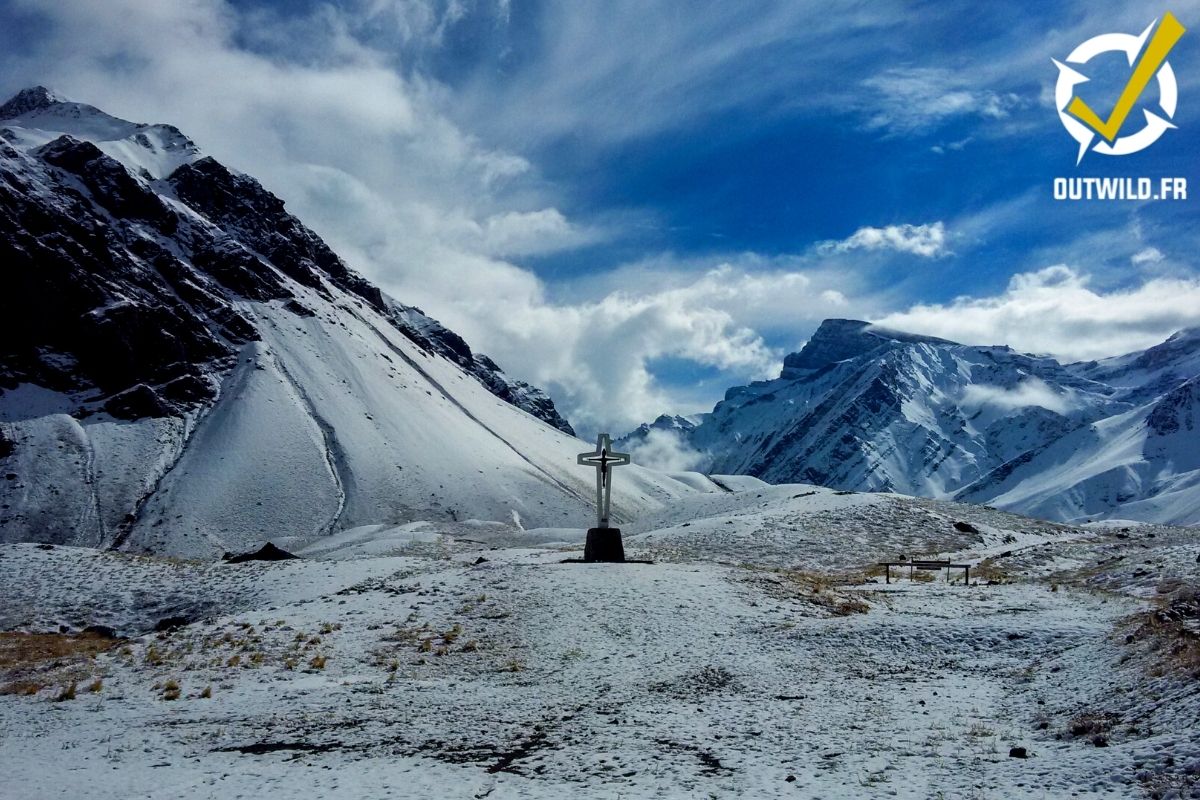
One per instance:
(1148,64)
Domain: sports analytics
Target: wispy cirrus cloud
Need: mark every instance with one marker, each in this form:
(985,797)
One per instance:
(905,100)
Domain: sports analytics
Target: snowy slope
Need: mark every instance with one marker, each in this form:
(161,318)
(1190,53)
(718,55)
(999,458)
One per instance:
(1146,374)
(37,116)
(190,370)
(396,662)
(1141,465)
(866,408)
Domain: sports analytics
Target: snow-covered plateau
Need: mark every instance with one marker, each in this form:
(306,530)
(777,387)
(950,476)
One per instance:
(759,655)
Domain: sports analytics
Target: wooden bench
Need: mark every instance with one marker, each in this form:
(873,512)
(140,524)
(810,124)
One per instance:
(925,565)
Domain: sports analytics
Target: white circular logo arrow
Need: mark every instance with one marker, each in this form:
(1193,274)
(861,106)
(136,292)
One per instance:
(1069,78)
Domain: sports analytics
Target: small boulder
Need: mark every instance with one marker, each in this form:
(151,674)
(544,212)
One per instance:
(1018,752)
(137,403)
(171,623)
(965,527)
(268,552)
(103,631)
(298,308)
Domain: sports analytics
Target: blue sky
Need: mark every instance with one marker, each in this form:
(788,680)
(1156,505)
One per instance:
(665,198)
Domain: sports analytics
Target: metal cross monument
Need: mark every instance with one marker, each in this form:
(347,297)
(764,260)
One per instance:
(603,542)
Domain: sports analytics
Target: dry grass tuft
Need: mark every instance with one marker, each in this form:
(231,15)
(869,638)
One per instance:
(989,570)
(18,650)
(1093,725)
(317,662)
(1171,632)
(822,590)
(31,661)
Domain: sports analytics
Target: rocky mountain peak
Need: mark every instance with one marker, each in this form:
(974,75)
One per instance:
(35,98)
(840,339)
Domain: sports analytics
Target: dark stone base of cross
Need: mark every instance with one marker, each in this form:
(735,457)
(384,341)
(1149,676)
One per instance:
(604,545)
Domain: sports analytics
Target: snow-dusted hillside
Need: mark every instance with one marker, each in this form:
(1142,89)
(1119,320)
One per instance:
(1143,465)
(866,408)
(760,655)
(187,369)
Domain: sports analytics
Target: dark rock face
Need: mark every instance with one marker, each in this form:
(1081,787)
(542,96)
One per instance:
(26,100)
(241,206)
(115,321)
(109,183)
(1178,410)
(110,292)
(431,335)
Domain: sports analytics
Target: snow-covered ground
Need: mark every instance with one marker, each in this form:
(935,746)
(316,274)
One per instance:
(474,661)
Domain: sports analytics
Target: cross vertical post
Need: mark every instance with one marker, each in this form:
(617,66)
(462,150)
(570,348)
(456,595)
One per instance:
(603,541)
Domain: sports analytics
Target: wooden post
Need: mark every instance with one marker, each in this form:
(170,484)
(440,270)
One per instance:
(887,573)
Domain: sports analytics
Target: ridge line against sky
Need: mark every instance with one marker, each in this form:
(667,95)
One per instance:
(638,207)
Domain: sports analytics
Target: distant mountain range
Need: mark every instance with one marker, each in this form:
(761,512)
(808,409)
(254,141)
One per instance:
(185,368)
(866,408)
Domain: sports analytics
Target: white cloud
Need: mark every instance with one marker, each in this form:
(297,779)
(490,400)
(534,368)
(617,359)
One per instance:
(927,240)
(665,450)
(369,159)
(1149,255)
(517,233)
(389,167)
(1029,392)
(955,146)
(1055,310)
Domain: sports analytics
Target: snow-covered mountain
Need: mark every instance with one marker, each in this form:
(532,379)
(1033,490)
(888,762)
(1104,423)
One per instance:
(186,368)
(866,408)
(667,423)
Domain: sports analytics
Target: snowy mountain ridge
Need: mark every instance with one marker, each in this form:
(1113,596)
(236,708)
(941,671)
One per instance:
(865,408)
(189,369)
